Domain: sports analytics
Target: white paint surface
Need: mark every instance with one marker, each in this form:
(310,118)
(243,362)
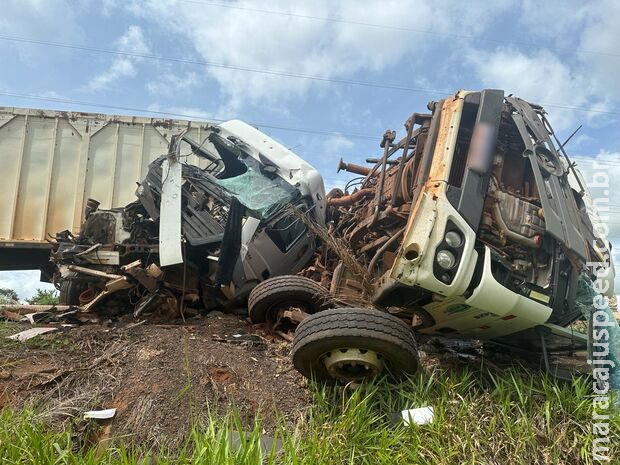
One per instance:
(170,214)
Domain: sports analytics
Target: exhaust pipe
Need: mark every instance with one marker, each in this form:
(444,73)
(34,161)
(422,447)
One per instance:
(349,199)
(353,168)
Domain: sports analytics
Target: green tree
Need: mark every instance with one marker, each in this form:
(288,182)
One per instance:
(8,296)
(43,297)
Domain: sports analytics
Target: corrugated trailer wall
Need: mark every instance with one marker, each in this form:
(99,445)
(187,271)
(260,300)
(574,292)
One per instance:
(52,162)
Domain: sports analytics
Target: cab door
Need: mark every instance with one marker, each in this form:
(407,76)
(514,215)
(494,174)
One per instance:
(282,246)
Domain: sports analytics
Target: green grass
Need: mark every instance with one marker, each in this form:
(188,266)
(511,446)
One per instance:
(512,418)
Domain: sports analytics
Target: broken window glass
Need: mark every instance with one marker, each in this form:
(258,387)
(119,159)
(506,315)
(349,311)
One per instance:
(259,193)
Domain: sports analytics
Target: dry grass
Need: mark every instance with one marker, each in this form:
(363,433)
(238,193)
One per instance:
(340,248)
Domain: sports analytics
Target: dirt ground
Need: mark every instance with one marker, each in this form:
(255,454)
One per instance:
(157,376)
(161,376)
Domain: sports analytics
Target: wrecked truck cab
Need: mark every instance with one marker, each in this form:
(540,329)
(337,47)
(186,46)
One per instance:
(278,244)
(470,226)
(237,221)
(287,165)
(496,240)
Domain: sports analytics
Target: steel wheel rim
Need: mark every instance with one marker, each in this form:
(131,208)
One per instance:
(353,364)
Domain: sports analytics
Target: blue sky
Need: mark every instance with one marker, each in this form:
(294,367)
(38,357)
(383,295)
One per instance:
(367,65)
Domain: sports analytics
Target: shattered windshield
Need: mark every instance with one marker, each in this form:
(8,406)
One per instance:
(258,192)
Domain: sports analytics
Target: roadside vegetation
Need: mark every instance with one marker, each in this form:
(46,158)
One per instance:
(480,418)
(8,296)
(41,297)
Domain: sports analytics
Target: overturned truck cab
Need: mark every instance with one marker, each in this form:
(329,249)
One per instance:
(196,237)
(473,225)
(497,238)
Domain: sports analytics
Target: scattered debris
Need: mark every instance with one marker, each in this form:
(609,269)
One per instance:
(38,317)
(30,333)
(245,339)
(100,414)
(236,230)
(22,309)
(9,315)
(416,416)
(157,377)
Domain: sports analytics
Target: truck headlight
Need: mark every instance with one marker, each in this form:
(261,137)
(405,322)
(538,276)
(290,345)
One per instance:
(453,239)
(445,259)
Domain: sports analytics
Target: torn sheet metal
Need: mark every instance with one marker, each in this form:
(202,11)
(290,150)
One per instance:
(37,317)
(102,257)
(170,214)
(178,201)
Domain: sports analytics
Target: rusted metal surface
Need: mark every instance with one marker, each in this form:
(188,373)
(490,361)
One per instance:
(460,182)
(386,203)
(372,217)
(349,199)
(353,168)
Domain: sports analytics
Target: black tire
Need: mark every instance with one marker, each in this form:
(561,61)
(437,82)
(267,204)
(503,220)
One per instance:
(354,328)
(70,290)
(280,292)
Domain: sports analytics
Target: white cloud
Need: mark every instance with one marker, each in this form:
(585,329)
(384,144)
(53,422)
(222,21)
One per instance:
(255,40)
(170,82)
(567,55)
(132,41)
(107,7)
(120,68)
(539,77)
(337,144)
(25,283)
(558,29)
(41,20)
(602,35)
(552,19)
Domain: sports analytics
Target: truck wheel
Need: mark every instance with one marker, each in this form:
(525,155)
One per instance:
(283,292)
(70,290)
(354,345)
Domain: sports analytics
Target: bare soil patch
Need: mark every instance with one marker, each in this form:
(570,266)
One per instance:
(159,377)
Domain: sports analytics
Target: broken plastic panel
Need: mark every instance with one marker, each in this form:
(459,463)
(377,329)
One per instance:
(170,214)
(258,192)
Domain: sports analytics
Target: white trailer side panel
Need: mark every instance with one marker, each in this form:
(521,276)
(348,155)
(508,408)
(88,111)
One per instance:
(52,162)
